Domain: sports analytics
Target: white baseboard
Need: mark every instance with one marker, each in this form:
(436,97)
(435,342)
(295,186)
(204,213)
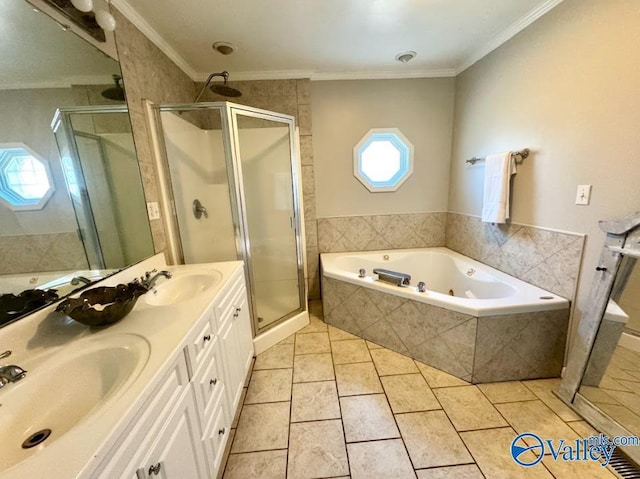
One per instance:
(276,334)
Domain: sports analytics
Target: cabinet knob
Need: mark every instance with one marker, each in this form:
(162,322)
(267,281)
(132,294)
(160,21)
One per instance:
(601,268)
(222,431)
(213,381)
(207,338)
(155,469)
(238,310)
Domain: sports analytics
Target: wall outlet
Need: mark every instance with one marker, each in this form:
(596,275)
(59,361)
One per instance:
(153,210)
(583,195)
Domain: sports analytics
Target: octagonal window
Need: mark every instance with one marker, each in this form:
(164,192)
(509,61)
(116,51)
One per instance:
(25,179)
(383,159)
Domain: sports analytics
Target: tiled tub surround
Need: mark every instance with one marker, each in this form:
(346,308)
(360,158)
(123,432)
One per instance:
(545,258)
(501,341)
(377,232)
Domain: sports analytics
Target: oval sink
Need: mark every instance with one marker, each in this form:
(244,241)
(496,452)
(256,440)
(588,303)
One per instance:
(65,389)
(181,288)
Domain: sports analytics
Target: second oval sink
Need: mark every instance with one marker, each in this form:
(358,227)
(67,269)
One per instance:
(181,288)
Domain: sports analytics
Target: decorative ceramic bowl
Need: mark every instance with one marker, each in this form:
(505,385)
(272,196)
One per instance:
(103,305)
(13,306)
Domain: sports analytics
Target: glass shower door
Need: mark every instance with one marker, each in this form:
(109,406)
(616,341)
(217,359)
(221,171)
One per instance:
(264,149)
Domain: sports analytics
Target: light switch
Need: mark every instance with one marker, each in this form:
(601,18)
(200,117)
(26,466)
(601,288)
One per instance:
(584,195)
(153,210)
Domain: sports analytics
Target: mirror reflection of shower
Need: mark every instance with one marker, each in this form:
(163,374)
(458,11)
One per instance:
(104,182)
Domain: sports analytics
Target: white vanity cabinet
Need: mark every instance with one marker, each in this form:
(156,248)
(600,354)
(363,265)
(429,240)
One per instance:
(182,430)
(176,452)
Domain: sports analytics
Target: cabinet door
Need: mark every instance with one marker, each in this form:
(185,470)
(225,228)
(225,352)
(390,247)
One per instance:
(178,451)
(232,364)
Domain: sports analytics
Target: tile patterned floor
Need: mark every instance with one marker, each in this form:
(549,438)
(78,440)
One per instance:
(326,404)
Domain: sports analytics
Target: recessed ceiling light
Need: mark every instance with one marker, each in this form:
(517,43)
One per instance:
(224,48)
(406,57)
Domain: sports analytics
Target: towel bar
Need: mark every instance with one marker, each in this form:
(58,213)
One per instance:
(519,156)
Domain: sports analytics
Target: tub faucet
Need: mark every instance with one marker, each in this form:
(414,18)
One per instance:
(149,281)
(422,287)
(80,279)
(11,373)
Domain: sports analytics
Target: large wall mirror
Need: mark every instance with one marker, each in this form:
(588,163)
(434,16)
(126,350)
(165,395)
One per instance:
(602,381)
(72,208)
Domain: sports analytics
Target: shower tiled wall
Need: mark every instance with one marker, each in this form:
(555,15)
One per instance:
(148,74)
(379,232)
(547,259)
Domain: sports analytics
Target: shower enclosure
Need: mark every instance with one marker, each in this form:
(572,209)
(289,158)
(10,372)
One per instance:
(230,178)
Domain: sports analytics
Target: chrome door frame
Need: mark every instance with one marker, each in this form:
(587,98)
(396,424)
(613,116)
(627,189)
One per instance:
(234,110)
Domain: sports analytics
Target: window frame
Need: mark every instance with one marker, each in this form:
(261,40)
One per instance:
(28,205)
(404,147)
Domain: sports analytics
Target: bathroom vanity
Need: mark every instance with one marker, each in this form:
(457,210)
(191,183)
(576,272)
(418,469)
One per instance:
(152,395)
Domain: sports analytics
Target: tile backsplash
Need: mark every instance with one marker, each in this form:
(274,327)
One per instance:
(548,259)
(380,232)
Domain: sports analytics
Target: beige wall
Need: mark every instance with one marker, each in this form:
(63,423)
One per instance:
(566,87)
(343,112)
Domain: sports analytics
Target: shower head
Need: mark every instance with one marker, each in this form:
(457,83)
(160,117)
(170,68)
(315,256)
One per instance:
(115,93)
(221,89)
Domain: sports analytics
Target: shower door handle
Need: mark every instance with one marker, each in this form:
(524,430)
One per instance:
(199,210)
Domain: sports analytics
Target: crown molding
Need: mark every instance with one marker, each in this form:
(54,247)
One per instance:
(148,31)
(383,74)
(325,76)
(259,75)
(65,82)
(507,34)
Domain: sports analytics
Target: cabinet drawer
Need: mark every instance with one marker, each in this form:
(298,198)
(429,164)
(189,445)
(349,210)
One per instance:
(153,414)
(229,297)
(200,347)
(234,308)
(209,384)
(216,438)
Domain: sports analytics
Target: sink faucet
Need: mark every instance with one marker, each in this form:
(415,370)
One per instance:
(80,279)
(149,281)
(10,374)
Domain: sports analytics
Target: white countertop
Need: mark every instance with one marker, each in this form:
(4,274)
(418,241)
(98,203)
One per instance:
(44,333)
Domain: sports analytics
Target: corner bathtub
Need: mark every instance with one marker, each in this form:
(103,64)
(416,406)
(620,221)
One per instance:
(472,321)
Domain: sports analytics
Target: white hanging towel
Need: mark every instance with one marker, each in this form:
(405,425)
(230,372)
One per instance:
(498,169)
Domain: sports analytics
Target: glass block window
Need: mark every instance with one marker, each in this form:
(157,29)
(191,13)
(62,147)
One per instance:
(25,179)
(383,159)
